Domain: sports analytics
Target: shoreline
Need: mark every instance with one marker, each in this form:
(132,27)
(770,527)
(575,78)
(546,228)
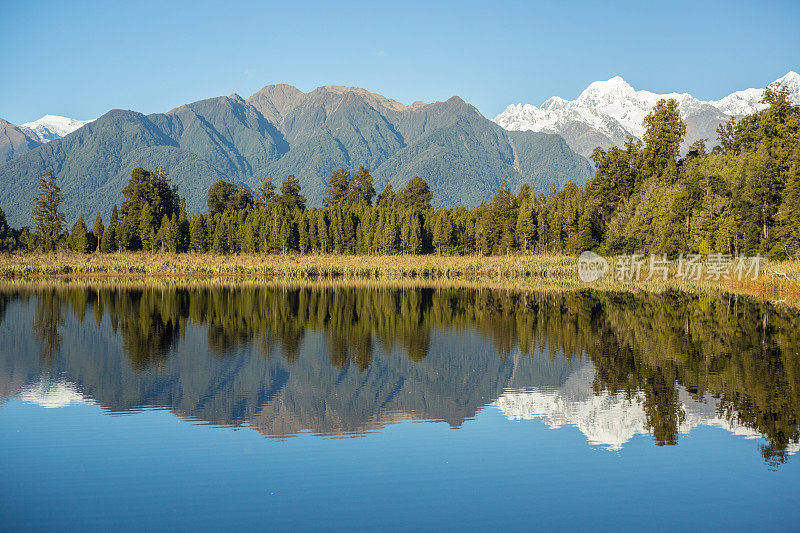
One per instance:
(547,272)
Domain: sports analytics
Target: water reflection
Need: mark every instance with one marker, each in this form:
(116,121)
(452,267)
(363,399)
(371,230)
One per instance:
(348,360)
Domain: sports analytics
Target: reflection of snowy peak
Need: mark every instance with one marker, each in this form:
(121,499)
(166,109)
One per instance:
(52,394)
(51,127)
(608,112)
(609,420)
(606,419)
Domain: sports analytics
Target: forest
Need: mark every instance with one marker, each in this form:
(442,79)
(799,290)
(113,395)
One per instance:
(741,197)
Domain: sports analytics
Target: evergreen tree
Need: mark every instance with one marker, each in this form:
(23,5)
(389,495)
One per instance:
(503,219)
(7,241)
(124,234)
(168,234)
(183,228)
(198,236)
(147,228)
(151,188)
(325,244)
(304,241)
(265,191)
(109,242)
(663,134)
(442,231)
(386,197)
(78,237)
(49,220)
(360,190)
(220,243)
(526,224)
(97,233)
(338,185)
(290,197)
(391,233)
(789,211)
(415,195)
(224,196)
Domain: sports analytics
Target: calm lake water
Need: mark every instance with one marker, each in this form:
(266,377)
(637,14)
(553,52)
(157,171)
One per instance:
(382,408)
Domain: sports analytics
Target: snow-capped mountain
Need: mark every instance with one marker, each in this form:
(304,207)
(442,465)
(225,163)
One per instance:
(51,127)
(608,112)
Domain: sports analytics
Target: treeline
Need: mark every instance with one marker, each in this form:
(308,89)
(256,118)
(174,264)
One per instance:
(742,197)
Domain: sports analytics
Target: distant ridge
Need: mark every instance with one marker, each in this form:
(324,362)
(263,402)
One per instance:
(281,130)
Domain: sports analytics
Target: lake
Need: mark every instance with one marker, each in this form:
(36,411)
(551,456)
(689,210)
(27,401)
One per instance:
(370,407)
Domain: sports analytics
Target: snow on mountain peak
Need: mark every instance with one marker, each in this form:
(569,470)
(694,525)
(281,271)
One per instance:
(611,111)
(51,127)
(615,89)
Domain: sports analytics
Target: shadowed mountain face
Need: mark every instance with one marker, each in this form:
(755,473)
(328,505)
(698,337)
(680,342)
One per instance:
(280,131)
(14,141)
(349,360)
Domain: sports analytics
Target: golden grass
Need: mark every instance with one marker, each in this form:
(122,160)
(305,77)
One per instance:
(778,280)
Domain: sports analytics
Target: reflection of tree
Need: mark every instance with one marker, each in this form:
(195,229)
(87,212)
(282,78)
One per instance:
(5,299)
(723,345)
(741,351)
(46,323)
(149,323)
(663,410)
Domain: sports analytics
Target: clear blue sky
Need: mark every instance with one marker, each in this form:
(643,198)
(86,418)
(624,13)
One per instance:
(81,59)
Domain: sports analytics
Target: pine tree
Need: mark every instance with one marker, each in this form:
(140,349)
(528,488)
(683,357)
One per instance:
(7,241)
(169,236)
(503,219)
(78,237)
(789,211)
(415,195)
(198,237)
(124,235)
(49,220)
(442,231)
(249,240)
(583,240)
(220,240)
(152,188)
(265,191)
(386,197)
(526,225)
(360,190)
(663,135)
(147,231)
(183,228)
(109,242)
(97,233)
(325,244)
(290,197)
(338,184)
(304,242)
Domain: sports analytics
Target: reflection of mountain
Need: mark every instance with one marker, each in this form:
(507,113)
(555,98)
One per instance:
(349,360)
(608,419)
(254,384)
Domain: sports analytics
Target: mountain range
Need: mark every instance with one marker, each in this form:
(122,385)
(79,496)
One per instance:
(281,130)
(607,113)
(278,131)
